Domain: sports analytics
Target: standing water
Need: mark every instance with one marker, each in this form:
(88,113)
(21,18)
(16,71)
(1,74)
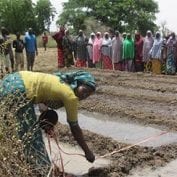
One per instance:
(118,130)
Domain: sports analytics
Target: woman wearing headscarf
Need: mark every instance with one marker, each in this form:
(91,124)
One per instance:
(138,53)
(23,89)
(67,44)
(171,54)
(156,54)
(90,50)
(148,42)
(128,53)
(117,51)
(58,37)
(81,50)
(97,50)
(106,48)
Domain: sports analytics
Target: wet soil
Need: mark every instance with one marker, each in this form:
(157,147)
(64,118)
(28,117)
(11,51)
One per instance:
(141,98)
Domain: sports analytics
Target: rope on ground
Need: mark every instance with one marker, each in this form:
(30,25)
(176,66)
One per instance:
(103,156)
(130,146)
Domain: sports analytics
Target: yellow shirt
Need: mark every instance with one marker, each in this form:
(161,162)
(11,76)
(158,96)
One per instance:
(43,88)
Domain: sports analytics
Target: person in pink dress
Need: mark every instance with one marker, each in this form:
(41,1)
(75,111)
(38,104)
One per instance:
(97,50)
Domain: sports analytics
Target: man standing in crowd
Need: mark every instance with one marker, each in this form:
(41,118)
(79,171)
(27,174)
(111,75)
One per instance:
(44,40)
(5,46)
(18,44)
(31,48)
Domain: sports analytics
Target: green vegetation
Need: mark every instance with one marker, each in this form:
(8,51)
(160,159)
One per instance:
(124,15)
(19,15)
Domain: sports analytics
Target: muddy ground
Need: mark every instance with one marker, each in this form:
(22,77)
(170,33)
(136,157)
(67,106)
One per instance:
(141,98)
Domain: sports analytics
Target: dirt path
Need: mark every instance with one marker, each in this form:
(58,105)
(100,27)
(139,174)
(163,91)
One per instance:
(142,98)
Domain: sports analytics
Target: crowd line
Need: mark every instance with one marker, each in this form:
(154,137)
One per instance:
(110,50)
(116,51)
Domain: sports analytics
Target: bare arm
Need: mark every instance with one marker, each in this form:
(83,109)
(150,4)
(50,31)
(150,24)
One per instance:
(78,135)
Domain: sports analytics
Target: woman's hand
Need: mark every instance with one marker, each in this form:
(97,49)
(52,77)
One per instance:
(90,156)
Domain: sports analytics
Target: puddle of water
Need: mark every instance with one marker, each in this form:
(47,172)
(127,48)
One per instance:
(168,171)
(74,164)
(121,131)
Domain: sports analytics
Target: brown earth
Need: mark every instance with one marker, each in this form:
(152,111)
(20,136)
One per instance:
(139,97)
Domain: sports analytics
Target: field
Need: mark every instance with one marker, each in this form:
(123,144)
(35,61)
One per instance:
(134,99)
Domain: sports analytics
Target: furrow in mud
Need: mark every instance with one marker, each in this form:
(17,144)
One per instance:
(133,110)
(122,162)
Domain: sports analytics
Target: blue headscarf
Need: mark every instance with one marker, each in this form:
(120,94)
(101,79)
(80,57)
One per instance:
(77,78)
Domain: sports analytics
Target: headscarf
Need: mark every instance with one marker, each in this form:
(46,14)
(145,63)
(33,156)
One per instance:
(77,78)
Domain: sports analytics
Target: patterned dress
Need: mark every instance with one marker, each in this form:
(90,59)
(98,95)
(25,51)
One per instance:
(171,56)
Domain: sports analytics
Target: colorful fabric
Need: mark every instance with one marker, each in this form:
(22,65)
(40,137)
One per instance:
(48,88)
(170,63)
(67,50)
(60,58)
(76,78)
(107,62)
(128,49)
(12,84)
(34,149)
(171,56)
(80,63)
(58,37)
(96,50)
(156,66)
(138,50)
(138,53)
(31,136)
(30,43)
(148,66)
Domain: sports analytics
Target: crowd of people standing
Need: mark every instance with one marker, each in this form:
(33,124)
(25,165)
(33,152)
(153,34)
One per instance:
(9,61)
(109,50)
(116,51)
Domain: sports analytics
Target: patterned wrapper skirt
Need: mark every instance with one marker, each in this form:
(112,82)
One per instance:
(118,66)
(68,58)
(60,58)
(35,152)
(171,64)
(107,62)
(81,63)
(156,66)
